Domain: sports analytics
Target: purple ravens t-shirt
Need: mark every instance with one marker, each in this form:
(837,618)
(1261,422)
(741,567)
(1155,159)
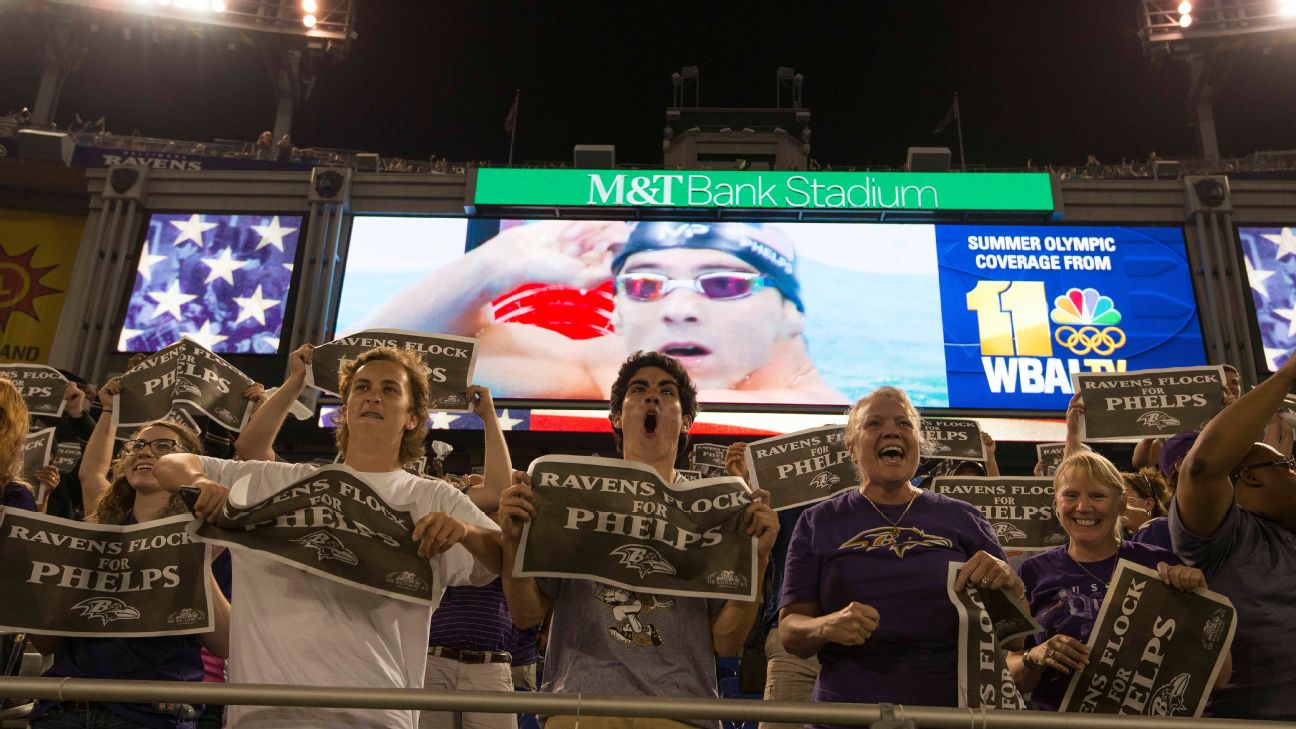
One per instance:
(1065,599)
(842,550)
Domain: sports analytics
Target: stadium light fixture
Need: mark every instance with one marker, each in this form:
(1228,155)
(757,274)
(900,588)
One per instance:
(1185,21)
(1185,7)
(218,6)
(308,20)
(1287,8)
(310,6)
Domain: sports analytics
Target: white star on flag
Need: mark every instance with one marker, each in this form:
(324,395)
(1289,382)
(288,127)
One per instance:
(254,307)
(223,267)
(442,421)
(1290,315)
(192,230)
(1286,242)
(170,301)
(206,337)
(1275,357)
(1257,277)
(288,266)
(126,336)
(147,261)
(272,234)
(272,341)
(507,423)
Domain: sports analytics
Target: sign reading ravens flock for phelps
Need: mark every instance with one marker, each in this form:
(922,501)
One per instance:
(450,361)
(62,577)
(1154,650)
(954,439)
(619,523)
(180,376)
(334,525)
(708,459)
(1150,403)
(41,387)
(1019,509)
(66,456)
(987,620)
(802,467)
(1050,456)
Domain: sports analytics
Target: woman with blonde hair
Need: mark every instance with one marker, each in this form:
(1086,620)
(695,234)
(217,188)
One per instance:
(1066,585)
(132,496)
(865,581)
(13,431)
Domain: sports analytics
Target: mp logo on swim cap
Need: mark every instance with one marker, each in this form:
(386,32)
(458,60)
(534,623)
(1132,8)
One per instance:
(679,234)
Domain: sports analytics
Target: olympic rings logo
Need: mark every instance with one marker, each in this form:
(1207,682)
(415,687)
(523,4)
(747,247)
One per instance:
(1089,339)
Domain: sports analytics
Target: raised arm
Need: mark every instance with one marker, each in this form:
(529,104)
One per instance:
(1205,491)
(991,464)
(1074,416)
(256,442)
(498,464)
(96,458)
(185,469)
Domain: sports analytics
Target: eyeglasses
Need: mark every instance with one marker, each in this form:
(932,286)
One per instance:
(159,446)
(1287,463)
(720,285)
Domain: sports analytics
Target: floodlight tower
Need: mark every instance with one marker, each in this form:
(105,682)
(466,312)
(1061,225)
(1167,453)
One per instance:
(299,36)
(1208,35)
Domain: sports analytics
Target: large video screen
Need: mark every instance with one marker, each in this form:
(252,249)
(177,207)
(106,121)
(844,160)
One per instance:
(965,317)
(221,280)
(1269,255)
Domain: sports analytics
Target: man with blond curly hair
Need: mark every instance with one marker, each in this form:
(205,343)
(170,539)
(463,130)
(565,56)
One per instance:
(372,640)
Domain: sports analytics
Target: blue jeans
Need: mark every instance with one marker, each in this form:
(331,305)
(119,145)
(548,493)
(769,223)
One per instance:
(68,717)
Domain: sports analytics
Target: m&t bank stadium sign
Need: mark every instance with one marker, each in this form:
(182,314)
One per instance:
(1007,191)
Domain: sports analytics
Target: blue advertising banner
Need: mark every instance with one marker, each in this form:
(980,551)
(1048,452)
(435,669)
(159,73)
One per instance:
(85,156)
(1024,307)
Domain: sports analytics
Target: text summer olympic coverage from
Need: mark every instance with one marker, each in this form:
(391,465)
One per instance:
(985,317)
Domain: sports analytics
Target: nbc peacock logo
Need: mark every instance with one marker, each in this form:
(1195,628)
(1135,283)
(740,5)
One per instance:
(1087,322)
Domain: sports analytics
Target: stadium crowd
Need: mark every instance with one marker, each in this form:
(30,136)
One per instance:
(840,618)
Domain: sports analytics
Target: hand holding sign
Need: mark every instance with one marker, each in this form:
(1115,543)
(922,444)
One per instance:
(517,506)
(988,573)
(436,532)
(73,400)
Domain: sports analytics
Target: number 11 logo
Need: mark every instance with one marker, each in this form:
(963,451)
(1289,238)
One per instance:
(1012,317)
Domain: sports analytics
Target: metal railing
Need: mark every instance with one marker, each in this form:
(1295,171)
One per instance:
(80,689)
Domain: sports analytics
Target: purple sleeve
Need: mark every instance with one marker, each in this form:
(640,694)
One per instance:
(801,571)
(18,496)
(980,536)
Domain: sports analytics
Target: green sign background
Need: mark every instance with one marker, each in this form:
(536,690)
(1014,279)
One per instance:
(1006,191)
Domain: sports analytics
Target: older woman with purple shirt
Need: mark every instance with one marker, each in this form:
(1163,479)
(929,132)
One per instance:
(866,570)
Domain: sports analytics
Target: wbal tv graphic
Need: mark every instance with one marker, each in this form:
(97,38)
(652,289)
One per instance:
(1024,307)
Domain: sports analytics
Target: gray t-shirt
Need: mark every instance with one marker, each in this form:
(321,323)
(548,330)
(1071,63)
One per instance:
(1252,561)
(608,640)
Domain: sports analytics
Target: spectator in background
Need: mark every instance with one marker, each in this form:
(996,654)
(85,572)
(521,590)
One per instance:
(263,145)
(1146,499)
(284,149)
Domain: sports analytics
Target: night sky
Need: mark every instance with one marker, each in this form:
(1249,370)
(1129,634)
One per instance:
(1043,79)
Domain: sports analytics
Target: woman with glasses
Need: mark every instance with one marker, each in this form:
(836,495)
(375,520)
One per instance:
(129,494)
(1066,585)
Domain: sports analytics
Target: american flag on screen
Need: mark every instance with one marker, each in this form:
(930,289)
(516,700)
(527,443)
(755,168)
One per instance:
(221,280)
(1270,258)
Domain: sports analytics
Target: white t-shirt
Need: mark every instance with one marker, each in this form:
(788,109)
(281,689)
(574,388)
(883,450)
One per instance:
(288,626)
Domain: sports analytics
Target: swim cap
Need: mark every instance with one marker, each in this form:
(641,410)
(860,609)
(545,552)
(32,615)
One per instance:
(760,247)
